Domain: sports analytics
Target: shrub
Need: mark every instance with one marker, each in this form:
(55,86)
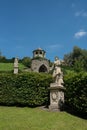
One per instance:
(76,91)
(26,89)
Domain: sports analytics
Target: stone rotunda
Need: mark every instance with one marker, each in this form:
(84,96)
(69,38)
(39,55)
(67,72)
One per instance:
(39,61)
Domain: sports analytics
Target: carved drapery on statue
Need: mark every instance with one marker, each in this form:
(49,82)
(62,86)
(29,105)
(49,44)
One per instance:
(57,73)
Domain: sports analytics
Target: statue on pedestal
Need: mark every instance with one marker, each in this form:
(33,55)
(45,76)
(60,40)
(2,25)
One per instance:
(56,88)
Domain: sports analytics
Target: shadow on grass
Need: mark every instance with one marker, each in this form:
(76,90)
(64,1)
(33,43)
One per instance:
(72,111)
(67,109)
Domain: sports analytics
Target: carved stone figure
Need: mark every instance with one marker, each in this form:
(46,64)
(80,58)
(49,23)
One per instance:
(16,62)
(57,73)
(16,66)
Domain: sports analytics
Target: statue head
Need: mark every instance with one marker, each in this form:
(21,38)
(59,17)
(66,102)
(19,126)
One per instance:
(16,59)
(56,58)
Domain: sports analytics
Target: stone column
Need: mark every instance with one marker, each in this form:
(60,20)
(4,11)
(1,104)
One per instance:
(16,66)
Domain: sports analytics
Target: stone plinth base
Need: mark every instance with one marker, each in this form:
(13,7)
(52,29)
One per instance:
(16,70)
(54,108)
(56,97)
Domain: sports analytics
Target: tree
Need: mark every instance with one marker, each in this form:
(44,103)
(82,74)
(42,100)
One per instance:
(68,59)
(27,61)
(0,53)
(77,59)
(2,58)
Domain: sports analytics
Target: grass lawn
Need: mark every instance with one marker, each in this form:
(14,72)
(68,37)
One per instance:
(10,66)
(16,118)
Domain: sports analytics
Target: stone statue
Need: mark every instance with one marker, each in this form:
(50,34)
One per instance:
(16,66)
(57,88)
(57,73)
(16,62)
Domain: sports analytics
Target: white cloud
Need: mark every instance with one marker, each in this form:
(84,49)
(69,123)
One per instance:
(80,34)
(81,13)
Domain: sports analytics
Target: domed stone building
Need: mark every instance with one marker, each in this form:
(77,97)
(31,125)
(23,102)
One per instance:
(39,61)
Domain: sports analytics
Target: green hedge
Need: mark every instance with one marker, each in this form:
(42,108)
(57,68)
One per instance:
(76,91)
(29,89)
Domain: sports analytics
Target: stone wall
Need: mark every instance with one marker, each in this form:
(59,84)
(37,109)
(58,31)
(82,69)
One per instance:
(40,64)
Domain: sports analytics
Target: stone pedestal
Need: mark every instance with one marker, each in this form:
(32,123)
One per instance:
(15,70)
(56,97)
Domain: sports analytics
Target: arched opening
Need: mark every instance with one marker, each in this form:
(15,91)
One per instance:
(43,68)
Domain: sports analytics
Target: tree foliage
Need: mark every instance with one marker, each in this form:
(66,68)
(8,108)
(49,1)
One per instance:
(77,59)
(26,61)
(2,58)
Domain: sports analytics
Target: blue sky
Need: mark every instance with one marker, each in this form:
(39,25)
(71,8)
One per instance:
(53,25)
